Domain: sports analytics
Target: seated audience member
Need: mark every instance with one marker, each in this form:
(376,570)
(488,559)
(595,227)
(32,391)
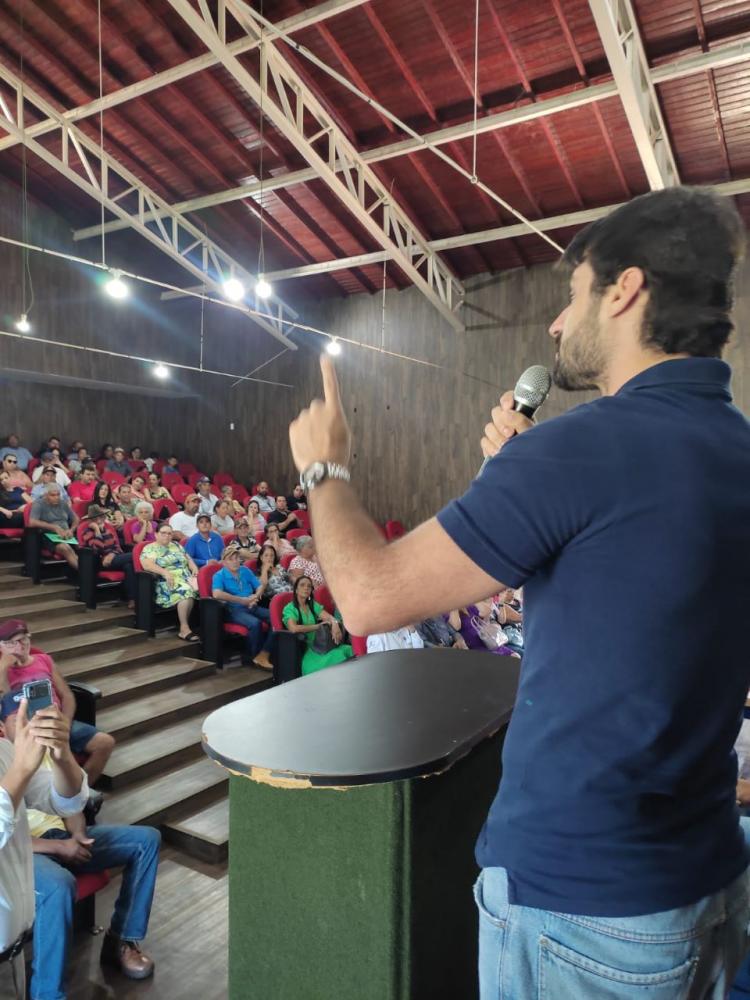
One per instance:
(138,487)
(48,475)
(107,452)
(76,461)
(508,609)
(297,499)
(104,497)
(19,666)
(442,631)
(305,616)
(227,493)
(479,631)
(50,444)
(64,849)
(205,546)
(245,541)
(153,457)
(51,460)
(84,488)
(62,790)
(221,519)
(57,521)
(265,502)
(12,499)
(402,638)
(172,467)
(13,446)
(75,447)
(136,455)
(183,523)
(154,490)
(118,463)
(100,534)
(305,563)
(144,526)
(282,516)
(254,517)
(125,500)
(282,546)
(177,585)
(17,477)
(208,498)
(241,591)
(272,575)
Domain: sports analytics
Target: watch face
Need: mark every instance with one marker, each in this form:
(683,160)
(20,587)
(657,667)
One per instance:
(312,475)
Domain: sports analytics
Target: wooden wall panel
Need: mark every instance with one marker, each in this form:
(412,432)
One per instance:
(416,428)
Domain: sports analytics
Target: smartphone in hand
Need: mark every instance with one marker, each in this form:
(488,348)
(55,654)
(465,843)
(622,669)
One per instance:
(38,694)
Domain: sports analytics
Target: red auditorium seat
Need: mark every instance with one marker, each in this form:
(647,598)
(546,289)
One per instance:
(295,533)
(323,596)
(33,462)
(113,478)
(90,573)
(214,625)
(80,507)
(101,463)
(252,565)
(193,477)
(260,537)
(240,493)
(179,491)
(286,560)
(223,479)
(359,644)
(394,529)
(159,464)
(16,533)
(186,468)
(35,550)
(159,506)
(303,520)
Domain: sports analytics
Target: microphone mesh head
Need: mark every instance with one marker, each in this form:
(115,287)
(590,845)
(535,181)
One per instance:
(533,387)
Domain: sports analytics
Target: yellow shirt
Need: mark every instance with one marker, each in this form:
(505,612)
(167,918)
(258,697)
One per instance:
(39,822)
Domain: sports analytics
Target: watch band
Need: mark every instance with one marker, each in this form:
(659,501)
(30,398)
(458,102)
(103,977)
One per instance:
(318,472)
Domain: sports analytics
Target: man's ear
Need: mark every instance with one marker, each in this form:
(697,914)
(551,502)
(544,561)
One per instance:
(625,292)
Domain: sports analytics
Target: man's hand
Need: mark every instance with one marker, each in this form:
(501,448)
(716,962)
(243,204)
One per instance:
(28,752)
(108,559)
(51,730)
(505,424)
(76,850)
(252,600)
(321,433)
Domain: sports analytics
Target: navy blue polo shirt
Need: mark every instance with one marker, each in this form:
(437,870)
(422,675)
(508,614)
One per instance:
(627,521)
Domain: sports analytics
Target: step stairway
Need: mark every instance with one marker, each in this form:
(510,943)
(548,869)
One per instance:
(155,694)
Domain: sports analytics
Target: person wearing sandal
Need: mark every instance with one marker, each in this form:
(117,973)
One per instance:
(241,591)
(177,585)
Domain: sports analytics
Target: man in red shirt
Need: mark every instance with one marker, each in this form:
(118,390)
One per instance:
(84,487)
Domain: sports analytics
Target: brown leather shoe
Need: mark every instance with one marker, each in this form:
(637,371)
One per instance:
(127,957)
(263,660)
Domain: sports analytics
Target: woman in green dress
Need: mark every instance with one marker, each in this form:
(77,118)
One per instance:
(177,583)
(304,616)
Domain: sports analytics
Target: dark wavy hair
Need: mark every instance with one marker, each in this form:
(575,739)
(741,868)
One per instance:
(688,242)
(265,547)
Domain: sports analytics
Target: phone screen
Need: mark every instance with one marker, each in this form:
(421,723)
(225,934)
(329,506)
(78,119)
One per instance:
(38,694)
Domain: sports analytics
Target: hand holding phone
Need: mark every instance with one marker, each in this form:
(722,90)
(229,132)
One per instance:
(38,694)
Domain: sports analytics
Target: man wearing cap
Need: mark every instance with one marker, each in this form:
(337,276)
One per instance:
(99,534)
(208,498)
(48,475)
(51,459)
(118,464)
(55,517)
(62,790)
(20,666)
(183,523)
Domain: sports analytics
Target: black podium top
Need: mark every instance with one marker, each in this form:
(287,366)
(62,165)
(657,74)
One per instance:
(384,717)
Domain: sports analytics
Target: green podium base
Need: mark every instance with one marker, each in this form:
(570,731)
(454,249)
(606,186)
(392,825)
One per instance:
(359,894)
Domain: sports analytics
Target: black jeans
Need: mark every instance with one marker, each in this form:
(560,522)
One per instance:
(123,561)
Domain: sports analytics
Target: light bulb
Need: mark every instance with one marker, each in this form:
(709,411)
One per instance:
(333,347)
(161,371)
(262,288)
(116,287)
(23,325)
(233,289)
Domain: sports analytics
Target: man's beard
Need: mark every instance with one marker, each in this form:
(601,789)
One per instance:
(579,362)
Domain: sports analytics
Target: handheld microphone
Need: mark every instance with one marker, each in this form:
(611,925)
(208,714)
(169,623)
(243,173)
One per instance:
(530,392)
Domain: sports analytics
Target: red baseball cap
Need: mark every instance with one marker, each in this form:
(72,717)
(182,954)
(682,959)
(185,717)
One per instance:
(14,626)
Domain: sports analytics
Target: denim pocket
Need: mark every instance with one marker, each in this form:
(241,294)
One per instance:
(565,974)
(492,934)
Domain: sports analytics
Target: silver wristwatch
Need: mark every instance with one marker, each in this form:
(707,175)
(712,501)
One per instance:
(318,472)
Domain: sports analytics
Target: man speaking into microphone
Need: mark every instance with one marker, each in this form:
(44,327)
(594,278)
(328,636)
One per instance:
(613,861)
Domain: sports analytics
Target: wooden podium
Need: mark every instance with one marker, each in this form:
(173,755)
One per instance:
(356,796)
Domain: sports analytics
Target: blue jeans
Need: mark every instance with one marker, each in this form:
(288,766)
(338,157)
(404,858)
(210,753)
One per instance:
(134,847)
(691,953)
(252,619)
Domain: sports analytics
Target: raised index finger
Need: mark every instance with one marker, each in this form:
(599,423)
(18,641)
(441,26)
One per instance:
(331,392)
